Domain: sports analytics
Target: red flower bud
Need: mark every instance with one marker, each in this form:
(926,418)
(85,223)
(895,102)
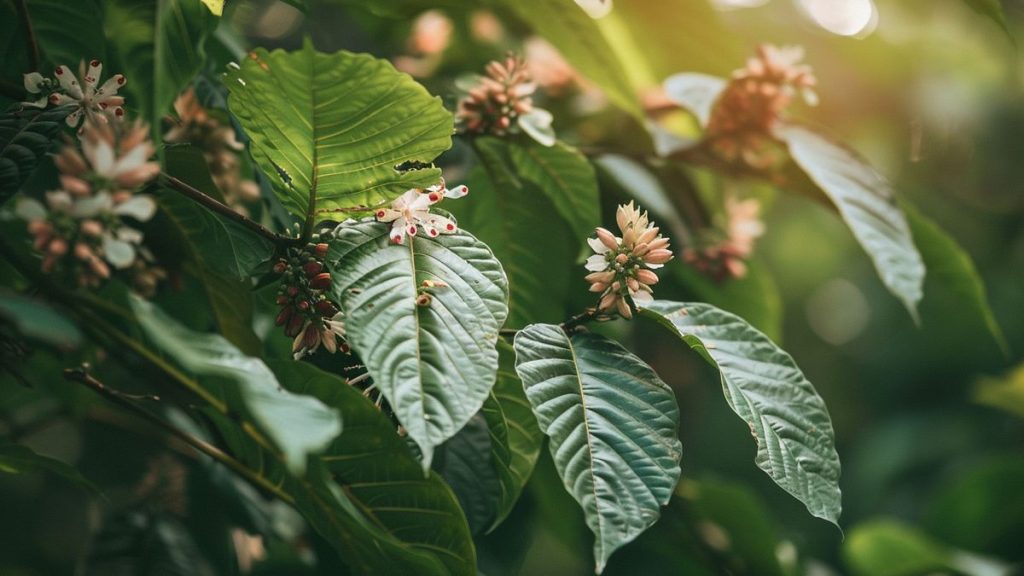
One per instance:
(303,305)
(293,291)
(326,308)
(294,326)
(321,250)
(321,281)
(281,300)
(283,316)
(312,268)
(280,266)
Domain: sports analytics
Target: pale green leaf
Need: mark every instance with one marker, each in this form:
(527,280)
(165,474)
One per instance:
(891,548)
(865,200)
(435,364)
(329,130)
(612,428)
(764,386)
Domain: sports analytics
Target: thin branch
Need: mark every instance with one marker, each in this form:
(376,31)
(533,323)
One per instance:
(30,34)
(226,211)
(580,319)
(81,376)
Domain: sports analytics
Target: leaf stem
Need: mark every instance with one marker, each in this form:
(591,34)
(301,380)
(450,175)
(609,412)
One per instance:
(226,211)
(30,34)
(82,376)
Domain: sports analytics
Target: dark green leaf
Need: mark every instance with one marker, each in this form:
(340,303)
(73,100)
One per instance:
(65,44)
(466,464)
(18,459)
(612,424)
(37,321)
(436,363)
(764,386)
(865,200)
(138,542)
(329,129)
(25,135)
(299,425)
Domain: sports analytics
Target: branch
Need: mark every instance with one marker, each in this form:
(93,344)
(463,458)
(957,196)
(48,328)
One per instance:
(81,376)
(226,211)
(30,34)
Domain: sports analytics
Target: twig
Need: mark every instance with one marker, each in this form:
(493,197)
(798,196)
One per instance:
(81,376)
(226,211)
(30,34)
(579,319)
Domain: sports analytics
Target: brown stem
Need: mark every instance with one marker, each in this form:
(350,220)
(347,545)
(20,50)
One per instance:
(81,376)
(30,34)
(226,211)
(579,319)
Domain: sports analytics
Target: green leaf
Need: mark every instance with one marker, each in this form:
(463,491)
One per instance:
(755,297)
(562,173)
(891,548)
(18,459)
(25,135)
(502,211)
(695,92)
(612,424)
(161,45)
(330,129)
(993,10)
(299,425)
(579,38)
(764,386)
(435,364)
(953,283)
(515,435)
(374,468)
(1005,393)
(865,200)
(64,44)
(465,463)
(37,321)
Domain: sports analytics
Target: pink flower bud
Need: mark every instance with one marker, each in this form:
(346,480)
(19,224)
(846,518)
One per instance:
(294,326)
(647,277)
(624,308)
(608,239)
(312,268)
(321,281)
(91,228)
(58,247)
(283,316)
(660,256)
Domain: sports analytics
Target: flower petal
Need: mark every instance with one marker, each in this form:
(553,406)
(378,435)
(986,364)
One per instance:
(32,80)
(596,263)
(120,254)
(537,124)
(597,246)
(29,209)
(140,207)
(68,82)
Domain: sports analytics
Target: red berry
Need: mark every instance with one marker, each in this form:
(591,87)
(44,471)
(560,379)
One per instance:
(321,281)
(280,266)
(303,305)
(321,249)
(293,291)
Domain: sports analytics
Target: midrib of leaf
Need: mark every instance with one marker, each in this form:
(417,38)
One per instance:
(590,447)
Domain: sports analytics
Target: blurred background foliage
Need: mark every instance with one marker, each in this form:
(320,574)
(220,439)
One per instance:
(928,418)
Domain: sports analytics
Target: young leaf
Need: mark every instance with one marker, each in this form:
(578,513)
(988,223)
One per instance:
(435,363)
(329,129)
(562,173)
(762,384)
(612,424)
(865,200)
(25,135)
(18,459)
(375,469)
(299,425)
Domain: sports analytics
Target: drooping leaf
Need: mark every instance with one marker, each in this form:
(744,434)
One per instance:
(25,135)
(341,124)
(37,321)
(764,386)
(161,46)
(562,173)
(504,211)
(515,436)
(953,282)
(612,426)
(18,459)
(865,200)
(434,363)
(465,463)
(299,425)
(374,467)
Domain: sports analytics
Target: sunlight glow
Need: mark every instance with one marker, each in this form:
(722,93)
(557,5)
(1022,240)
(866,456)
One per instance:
(735,4)
(843,17)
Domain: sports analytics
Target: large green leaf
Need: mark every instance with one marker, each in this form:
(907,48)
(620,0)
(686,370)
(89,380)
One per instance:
(891,548)
(764,386)
(374,468)
(503,212)
(35,320)
(299,425)
(953,283)
(329,130)
(25,135)
(435,364)
(466,463)
(612,424)
(562,173)
(18,459)
(515,436)
(161,46)
(865,200)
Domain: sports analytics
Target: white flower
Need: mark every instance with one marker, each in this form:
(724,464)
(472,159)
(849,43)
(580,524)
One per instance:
(90,100)
(36,83)
(596,8)
(326,331)
(411,210)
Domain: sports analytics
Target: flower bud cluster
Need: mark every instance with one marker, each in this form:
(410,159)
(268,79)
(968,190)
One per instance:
(92,101)
(722,255)
(83,229)
(220,149)
(624,266)
(740,126)
(306,314)
(497,101)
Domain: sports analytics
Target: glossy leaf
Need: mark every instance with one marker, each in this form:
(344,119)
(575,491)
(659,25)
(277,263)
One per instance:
(612,426)
(25,135)
(341,124)
(865,200)
(37,321)
(299,425)
(435,363)
(764,386)
(18,459)
(562,173)
(374,468)
(62,44)
(466,464)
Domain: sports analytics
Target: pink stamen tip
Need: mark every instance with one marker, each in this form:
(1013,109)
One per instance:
(380,214)
(450,227)
(59,71)
(120,79)
(433,196)
(94,63)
